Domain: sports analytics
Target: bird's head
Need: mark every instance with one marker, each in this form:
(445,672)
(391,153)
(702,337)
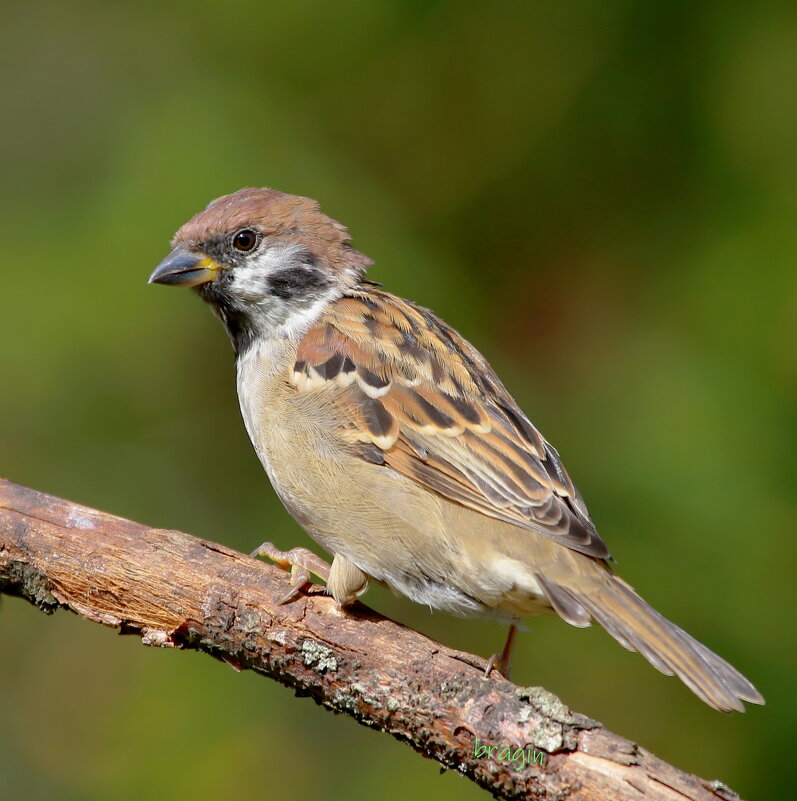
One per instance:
(265,261)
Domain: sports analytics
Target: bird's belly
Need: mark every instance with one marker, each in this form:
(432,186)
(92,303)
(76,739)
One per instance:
(318,481)
(396,531)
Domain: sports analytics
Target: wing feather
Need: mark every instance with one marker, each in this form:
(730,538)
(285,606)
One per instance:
(410,386)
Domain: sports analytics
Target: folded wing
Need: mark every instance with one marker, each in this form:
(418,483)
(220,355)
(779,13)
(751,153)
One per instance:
(415,396)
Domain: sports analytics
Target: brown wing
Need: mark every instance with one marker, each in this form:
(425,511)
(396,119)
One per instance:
(414,395)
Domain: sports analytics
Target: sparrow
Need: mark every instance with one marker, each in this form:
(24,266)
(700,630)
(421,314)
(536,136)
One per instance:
(393,443)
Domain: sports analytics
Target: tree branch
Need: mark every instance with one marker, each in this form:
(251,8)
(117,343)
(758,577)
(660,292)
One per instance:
(175,590)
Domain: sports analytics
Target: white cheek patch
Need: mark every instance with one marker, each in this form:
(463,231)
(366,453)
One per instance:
(250,280)
(279,257)
(270,314)
(249,284)
(296,324)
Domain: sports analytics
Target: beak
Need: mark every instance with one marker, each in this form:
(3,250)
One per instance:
(184,268)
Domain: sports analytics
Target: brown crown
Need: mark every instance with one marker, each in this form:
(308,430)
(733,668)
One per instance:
(290,217)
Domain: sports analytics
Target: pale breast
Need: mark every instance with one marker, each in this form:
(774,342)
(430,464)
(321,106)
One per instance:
(393,529)
(289,437)
(295,437)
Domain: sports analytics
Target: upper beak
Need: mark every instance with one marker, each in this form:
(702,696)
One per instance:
(184,268)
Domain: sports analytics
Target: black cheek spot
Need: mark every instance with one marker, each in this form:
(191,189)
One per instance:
(296,281)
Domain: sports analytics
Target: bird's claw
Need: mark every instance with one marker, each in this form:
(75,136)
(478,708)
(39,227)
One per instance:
(502,663)
(301,562)
(496,663)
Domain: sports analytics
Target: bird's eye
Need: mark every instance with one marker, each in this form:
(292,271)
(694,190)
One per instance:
(245,240)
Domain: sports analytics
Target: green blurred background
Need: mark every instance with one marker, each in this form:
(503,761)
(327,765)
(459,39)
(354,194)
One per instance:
(601,195)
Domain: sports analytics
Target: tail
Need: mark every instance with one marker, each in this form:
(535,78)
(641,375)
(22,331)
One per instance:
(637,626)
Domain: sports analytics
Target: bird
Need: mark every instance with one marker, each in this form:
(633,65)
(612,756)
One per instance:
(391,440)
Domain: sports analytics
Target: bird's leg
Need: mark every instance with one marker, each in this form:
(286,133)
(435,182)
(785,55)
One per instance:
(502,662)
(302,564)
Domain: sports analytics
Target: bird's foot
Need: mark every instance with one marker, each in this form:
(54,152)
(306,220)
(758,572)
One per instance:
(502,663)
(302,564)
(496,663)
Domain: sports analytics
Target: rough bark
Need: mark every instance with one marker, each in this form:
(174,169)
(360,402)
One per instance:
(175,590)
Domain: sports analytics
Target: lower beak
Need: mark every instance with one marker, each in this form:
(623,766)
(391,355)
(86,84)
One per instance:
(184,268)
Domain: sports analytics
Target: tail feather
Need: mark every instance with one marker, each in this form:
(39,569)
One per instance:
(564,603)
(639,627)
